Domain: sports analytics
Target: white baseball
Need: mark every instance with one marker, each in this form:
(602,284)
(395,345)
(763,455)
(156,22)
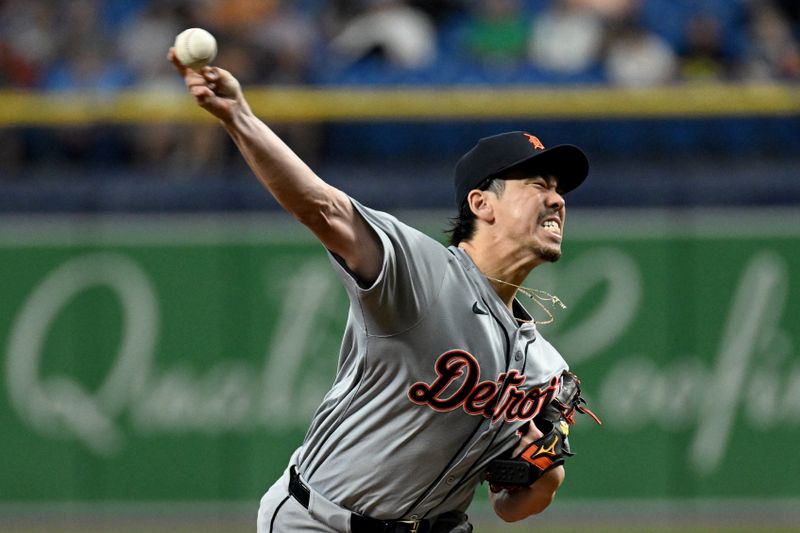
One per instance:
(195,48)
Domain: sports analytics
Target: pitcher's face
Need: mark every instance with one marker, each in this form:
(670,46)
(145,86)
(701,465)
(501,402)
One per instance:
(531,211)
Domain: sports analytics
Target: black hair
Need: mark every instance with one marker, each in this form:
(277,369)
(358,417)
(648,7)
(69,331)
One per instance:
(462,226)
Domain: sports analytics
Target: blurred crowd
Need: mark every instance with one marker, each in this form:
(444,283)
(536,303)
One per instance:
(105,45)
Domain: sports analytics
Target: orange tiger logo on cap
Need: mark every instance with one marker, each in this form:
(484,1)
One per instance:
(535,142)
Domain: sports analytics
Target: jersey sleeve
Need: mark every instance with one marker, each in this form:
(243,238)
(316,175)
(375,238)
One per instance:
(411,275)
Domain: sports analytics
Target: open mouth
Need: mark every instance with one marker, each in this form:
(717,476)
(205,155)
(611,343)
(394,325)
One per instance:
(552,226)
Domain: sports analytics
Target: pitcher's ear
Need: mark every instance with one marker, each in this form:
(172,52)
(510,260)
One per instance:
(480,205)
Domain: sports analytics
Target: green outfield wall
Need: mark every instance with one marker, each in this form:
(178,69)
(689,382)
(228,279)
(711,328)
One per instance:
(181,358)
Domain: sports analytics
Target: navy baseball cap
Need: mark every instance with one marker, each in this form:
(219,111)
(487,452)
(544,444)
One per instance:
(499,153)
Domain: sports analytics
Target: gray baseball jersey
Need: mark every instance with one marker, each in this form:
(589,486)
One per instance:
(435,376)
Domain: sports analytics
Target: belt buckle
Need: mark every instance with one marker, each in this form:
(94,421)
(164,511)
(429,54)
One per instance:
(413,523)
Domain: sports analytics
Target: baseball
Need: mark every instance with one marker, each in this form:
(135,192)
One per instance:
(195,48)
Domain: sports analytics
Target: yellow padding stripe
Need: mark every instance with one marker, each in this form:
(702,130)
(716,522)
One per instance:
(295,104)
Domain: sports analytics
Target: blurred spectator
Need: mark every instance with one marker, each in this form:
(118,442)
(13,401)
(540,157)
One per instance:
(638,58)
(14,70)
(567,37)
(496,33)
(28,40)
(392,30)
(143,42)
(774,52)
(287,38)
(703,58)
(89,58)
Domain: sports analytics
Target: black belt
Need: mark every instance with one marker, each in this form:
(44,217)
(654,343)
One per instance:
(359,523)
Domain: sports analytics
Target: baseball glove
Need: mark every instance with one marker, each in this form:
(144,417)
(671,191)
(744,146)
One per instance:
(552,448)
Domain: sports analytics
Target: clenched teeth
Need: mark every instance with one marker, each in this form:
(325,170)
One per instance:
(551,225)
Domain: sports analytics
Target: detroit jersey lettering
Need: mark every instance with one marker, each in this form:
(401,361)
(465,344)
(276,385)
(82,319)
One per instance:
(494,400)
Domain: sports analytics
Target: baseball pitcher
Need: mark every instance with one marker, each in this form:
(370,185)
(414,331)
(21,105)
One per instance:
(444,381)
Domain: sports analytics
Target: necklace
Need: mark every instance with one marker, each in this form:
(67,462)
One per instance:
(539,297)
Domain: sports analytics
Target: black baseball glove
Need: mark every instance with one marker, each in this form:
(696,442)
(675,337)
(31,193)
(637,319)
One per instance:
(552,448)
